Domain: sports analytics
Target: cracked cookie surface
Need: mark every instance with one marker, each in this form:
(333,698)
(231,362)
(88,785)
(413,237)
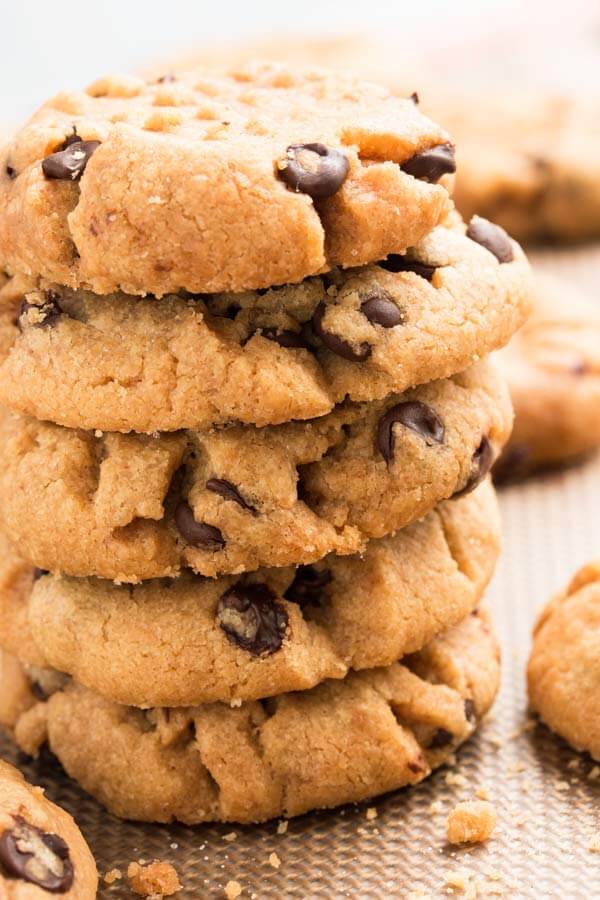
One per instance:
(120,363)
(209,182)
(42,851)
(132,507)
(563,673)
(343,741)
(193,640)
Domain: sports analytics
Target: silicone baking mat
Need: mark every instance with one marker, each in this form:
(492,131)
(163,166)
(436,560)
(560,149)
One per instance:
(546,796)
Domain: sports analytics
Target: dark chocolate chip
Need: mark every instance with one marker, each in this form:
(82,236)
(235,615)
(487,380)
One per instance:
(293,339)
(45,315)
(198,534)
(415,98)
(314,169)
(228,491)
(417,765)
(308,586)
(492,237)
(35,856)
(251,617)
(480,466)
(380,309)
(441,738)
(414,415)
(336,344)
(397,263)
(68,164)
(429,165)
(470,713)
(12,173)
(39,573)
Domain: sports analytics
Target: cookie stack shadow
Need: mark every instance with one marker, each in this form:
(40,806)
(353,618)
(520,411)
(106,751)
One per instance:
(247,427)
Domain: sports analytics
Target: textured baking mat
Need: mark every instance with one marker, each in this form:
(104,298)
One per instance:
(548,805)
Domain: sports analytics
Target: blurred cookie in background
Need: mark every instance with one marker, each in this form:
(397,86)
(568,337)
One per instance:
(553,369)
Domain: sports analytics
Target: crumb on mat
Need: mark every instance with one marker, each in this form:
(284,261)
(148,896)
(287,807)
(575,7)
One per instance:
(470,822)
(155,879)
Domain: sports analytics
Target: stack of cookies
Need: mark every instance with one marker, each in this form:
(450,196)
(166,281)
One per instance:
(248,421)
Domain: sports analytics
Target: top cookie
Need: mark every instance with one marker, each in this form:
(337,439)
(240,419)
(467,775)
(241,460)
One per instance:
(218,182)
(42,851)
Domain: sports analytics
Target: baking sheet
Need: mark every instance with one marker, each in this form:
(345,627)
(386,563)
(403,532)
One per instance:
(548,806)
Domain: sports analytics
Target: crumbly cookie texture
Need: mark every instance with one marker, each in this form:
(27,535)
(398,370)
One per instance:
(553,370)
(564,666)
(121,363)
(471,822)
(42,851)
(191,640)
(209,182)
(155,879)
(340,742)
(131,507)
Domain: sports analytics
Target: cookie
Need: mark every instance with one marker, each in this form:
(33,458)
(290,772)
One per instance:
(193,640)
(131,507)
(553,370)
(218,182)
(563,673)
(121,363)
(42,851)
(343,741)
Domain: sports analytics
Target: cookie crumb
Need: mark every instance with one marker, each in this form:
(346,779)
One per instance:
(470,822)
(155,879)
(274,861)
(112,876)
(594,773)
(562,785)
(455,779)
(482,793)
(282,827)
(233,889)
(231,836)
(371,814)
(460,880)
(435,808)
(594,844)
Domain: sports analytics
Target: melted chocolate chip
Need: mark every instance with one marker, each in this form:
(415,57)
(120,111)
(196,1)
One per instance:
(35,856)
(397,263)
(308,585)
(68,163)
(441,738)
(429,165)
(414,415)
(336,344)
(228,491)
(285,338)
(252,618)
(492,237)
(480,466)
(198,534)
(380,309)
(314,169)
(470,714)
(43,315)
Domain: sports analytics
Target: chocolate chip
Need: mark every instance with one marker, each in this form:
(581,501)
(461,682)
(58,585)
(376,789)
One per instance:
(470,713)
(39,573)
(314,169)
(12,173)
(380,309)
(336,344)
(415,98)
(429,165)
(492,237)
(285,338)
(397,263)
(414,415)
(35,856)
(40,315)
(68,163)
(228,491)
(480,466)
(252,618)
(308,585)
(441,738)
(198,534)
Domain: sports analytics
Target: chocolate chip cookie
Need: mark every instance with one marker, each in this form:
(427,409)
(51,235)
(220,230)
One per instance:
(340,742)
(553,370)
(194,640)
(42,851)
(131,507)
(121,363)
(564,667)
(218,182)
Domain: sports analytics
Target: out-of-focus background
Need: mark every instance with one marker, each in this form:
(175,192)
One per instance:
(50,46)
